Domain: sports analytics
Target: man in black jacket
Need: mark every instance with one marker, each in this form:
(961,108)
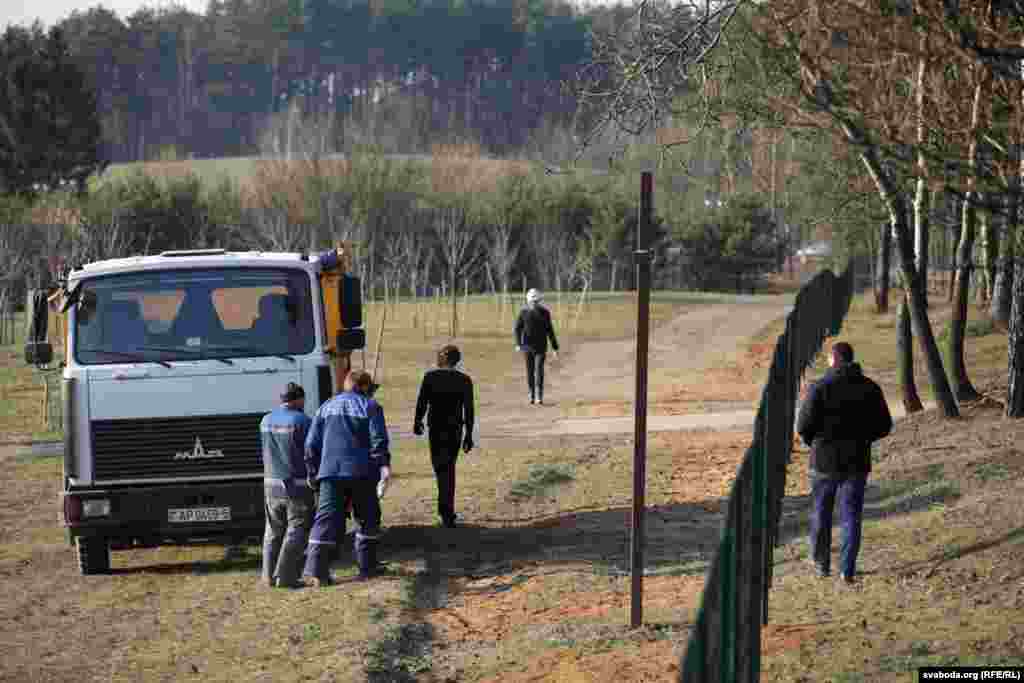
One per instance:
(842,414)
(533,329)
(446,400)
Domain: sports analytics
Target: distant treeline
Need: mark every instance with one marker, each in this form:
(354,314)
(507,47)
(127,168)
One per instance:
(403,76)
(457,223)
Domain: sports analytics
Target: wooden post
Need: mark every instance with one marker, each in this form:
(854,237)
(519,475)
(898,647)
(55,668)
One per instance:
(643,285)
(380,341)
(465,301)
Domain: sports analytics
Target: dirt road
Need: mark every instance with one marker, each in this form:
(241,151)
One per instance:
(603,372)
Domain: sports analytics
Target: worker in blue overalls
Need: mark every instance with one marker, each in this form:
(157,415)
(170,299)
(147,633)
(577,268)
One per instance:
(347,456)
(287,495)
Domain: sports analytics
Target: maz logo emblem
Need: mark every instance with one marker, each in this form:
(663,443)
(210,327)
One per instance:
(199,453)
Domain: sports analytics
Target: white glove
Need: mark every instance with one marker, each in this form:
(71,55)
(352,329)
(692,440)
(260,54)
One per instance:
(385,481)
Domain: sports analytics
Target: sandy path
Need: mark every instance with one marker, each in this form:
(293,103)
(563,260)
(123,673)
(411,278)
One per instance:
(690,343)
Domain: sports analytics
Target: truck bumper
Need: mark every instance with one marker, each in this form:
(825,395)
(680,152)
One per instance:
(150,516)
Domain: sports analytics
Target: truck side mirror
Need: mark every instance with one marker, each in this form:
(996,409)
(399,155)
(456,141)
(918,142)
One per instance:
(38,351)
(351,296)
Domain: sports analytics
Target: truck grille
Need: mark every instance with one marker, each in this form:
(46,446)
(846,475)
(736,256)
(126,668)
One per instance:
(177,447)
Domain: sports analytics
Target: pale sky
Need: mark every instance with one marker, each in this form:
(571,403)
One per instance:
(51,11)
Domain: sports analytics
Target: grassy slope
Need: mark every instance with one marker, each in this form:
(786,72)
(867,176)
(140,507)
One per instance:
(942,543)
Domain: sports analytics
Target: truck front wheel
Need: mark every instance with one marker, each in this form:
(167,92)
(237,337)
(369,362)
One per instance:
(93,555)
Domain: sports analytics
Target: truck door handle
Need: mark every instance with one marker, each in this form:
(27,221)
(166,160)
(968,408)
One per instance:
(131,375)
(259,371)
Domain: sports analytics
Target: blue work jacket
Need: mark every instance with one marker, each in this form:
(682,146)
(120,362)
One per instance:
(348,439)
(283,436)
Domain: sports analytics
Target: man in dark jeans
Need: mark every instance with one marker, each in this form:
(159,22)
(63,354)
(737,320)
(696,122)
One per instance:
(842,415)
(532,331)
(288,499)
(446,400)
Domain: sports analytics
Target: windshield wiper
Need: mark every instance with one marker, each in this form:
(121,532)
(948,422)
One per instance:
(255,351)
(123,354)
(182,349)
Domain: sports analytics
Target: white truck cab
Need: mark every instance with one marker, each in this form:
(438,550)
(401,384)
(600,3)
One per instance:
(171,363)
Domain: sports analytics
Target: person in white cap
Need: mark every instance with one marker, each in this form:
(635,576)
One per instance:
(533,330)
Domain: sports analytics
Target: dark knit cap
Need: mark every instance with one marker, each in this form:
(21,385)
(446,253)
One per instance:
(292,392)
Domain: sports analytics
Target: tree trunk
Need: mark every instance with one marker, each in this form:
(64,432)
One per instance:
(922,206)
(922,327)
(922,231)
(905,358)
(453,291)
(958,324)
(953,240)
(989,255)
(965,391)
(1002,293)
(922,203)
(1015,390)
(882,271)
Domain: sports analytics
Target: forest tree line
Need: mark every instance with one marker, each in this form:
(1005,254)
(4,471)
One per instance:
(171,83)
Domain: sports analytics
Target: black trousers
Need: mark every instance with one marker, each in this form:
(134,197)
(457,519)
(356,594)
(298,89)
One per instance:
(535,373)
(444,452)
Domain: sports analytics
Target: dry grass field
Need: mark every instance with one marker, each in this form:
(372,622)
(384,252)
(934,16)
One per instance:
(534,586)
(449,170)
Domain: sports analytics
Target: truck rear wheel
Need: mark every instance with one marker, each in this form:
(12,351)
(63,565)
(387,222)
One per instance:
(93,555)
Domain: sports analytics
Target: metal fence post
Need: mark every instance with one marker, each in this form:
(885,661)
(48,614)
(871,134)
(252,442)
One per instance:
(643,284)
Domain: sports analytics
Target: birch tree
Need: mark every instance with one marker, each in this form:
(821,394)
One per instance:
(460,248)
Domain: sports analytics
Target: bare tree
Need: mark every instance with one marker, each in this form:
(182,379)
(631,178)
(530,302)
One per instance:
(965,391)
(15,263)
(460,248)
(273,230)
(592,247)
(414,251)
(507,220)
(640,73)
(337,222)
(297,135)
(546,242)
(99,240)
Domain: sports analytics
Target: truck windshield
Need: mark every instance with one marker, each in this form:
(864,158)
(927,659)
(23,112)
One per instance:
(168,315)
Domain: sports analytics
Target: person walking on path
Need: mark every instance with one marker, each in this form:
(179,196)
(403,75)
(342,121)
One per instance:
(288,499)
(446,400)
(533,330)
(347,454)
(842,415)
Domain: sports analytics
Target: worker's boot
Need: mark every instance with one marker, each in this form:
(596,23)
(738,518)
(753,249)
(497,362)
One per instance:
(318,567)
(366,556)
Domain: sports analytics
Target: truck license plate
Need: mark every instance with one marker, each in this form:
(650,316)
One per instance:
(218,514)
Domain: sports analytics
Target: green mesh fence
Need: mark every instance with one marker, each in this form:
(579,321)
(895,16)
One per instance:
(725,645)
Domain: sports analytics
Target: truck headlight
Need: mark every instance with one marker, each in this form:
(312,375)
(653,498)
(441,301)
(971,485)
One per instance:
(96,508)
